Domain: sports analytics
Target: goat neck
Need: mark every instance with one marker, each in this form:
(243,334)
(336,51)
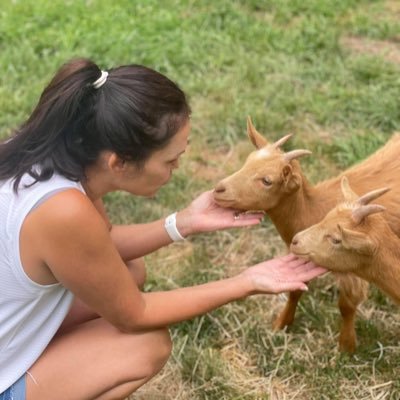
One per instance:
(297,211)
(384,269)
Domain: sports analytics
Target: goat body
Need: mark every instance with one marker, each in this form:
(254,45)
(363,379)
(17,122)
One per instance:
(272,181)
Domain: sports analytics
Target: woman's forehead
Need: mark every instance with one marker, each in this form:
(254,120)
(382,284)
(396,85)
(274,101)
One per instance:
(179,142)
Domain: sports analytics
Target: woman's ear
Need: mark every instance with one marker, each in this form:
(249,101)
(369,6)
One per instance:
(115,163)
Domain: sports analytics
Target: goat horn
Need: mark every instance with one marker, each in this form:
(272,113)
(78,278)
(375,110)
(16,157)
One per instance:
(361,212)
(368,197)
(348,193)
(256,138)
(281,141)
(250,126)
(291,155)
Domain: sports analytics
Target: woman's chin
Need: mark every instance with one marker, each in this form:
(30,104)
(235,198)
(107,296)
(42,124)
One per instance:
(149,195)
(141,193)
(147,192)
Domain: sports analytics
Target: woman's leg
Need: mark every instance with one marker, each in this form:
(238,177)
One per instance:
(94,360)
(90,359)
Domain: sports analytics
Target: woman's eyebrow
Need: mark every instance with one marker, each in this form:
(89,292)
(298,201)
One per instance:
(187,144)
(184,150)
(177,155)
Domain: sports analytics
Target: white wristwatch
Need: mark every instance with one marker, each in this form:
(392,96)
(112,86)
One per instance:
(172,230)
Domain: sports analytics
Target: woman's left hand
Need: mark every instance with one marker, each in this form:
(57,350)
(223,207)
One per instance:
(204,215)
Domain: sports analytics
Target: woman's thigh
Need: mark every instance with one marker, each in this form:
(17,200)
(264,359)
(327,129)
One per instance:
(93,359)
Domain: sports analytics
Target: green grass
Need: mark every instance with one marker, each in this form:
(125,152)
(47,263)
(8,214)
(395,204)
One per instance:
(284,63)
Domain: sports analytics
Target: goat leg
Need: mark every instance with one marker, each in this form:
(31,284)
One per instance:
(352,292)
(286,317)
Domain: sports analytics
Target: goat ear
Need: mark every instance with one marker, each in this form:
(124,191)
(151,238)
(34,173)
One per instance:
(256,138)
(290,179)
(348,193)
(356,241)
(286,171)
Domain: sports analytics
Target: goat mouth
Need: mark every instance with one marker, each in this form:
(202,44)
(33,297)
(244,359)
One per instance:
(224,202)
(305,256)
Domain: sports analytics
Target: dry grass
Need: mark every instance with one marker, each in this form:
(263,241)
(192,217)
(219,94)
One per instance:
(387,50)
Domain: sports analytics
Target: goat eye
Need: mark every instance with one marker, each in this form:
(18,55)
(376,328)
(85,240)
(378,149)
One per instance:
(335,240)
(266,181)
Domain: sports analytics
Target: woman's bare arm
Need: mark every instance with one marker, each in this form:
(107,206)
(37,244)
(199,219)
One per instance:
(202,215)
(74,242)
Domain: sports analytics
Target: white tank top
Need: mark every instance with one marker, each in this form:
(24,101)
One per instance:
(30,313)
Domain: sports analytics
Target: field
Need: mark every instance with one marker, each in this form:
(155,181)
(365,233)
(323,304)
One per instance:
(327,71)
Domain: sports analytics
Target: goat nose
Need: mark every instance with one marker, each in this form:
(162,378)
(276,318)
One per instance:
(295,241)
(220,188)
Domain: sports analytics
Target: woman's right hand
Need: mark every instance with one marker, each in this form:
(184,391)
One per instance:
(204,215)
(281,274)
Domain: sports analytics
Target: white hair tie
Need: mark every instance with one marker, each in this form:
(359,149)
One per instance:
(101,81)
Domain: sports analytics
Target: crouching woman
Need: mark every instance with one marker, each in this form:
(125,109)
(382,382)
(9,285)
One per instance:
(74,323)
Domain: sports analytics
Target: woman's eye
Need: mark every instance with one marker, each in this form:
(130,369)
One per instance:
(266,181)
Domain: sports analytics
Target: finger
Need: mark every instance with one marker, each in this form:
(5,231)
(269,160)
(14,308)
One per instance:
(310,266)
(307,266)
(311,274)
(251,215)
(241,216)
(304,272)
(247,222)
(297,262)
(291,286)
(288,257)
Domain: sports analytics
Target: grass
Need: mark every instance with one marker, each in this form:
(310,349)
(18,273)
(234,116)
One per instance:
(285,63)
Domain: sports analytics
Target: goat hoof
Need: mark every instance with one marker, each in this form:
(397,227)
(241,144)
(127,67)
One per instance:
(281,323)
(347,346)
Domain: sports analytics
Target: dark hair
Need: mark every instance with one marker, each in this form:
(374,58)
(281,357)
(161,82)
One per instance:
(135,112)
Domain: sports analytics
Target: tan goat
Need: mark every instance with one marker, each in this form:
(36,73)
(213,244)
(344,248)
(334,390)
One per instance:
(351,239)
(272,180)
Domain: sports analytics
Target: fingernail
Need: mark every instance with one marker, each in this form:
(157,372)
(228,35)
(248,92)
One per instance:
(305,288)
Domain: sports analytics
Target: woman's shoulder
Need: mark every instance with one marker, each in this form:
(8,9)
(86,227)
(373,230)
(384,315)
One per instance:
(69,203)
(67,216)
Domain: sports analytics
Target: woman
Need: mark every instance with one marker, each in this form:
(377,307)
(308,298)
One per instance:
(73,321)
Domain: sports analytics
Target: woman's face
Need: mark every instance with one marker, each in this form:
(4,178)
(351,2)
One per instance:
(157,170)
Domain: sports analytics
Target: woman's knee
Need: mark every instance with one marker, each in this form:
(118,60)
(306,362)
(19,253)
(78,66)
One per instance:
(159,350)
(164,348)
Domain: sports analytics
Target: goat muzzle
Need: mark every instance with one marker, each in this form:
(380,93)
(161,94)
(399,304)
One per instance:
(220,188)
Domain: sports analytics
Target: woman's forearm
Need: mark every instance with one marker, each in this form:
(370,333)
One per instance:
(169,307)
(134,241)
(137,240)
(202,215)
